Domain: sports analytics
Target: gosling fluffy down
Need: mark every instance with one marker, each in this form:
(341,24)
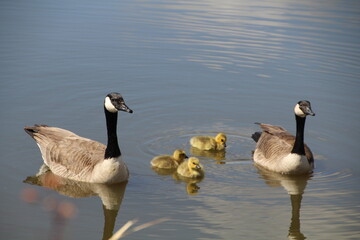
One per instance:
(209,142)
(191,168)
(167,161)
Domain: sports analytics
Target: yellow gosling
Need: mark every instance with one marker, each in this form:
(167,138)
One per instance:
(191,168)
(167,161)
(209,142)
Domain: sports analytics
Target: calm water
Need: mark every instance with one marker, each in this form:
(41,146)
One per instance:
(185,68)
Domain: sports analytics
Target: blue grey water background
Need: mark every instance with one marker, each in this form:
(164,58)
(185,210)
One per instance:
(185,68)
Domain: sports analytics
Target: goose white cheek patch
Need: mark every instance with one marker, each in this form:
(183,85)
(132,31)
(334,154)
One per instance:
(298,111)
(109,106)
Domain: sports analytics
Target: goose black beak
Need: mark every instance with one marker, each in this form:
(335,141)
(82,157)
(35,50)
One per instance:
(312,114)
(123,107)
(308,111)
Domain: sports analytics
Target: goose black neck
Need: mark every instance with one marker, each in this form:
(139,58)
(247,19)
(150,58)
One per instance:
(299,147)
(112,148)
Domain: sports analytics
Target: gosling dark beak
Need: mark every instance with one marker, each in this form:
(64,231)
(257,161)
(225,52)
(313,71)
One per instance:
(186,156)
(198,167)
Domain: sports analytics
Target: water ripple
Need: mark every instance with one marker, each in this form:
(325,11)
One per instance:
(231,34)
(239,147)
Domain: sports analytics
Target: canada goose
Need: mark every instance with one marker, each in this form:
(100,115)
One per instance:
(167,161)
(279,151)
(71,156)
(209,142)
(191,168)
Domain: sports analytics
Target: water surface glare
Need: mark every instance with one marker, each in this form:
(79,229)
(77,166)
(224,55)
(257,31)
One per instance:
(186,68)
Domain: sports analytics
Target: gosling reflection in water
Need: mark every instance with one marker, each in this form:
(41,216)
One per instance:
(190,179)
(295,187)
(190,183)
(110,195)
(216,155)
(164,171)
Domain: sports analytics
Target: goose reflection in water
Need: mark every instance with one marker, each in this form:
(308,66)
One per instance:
(164,171)
(110,195)
(295,186)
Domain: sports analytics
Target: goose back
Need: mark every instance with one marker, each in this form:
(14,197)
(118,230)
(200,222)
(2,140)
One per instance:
(67,154)
(275,143)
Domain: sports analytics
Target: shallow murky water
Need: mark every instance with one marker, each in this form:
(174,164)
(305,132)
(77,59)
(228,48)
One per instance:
(185,68)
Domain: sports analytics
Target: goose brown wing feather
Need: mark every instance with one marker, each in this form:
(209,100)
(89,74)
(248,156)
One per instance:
(274,140)
(39,132)
(76,155)
(272,129)
(66,153)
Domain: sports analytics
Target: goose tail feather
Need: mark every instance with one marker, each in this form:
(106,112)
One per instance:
(255,136)
(33,130)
